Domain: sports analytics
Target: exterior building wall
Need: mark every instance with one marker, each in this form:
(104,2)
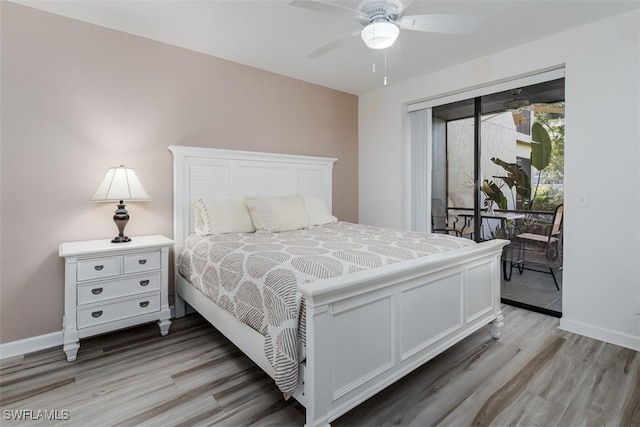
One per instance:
(498,136)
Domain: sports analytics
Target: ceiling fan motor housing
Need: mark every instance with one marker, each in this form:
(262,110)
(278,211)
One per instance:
(377,10)
(515,103)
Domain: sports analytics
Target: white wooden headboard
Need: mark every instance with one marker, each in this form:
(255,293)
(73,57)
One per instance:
(213,173)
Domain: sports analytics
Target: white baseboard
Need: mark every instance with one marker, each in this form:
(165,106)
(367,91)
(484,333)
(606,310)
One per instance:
(41,342)
(29,345)
(602,334)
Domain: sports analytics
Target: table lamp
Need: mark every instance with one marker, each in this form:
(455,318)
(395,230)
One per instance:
(118,185)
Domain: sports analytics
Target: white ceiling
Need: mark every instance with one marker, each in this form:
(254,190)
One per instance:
(275,36)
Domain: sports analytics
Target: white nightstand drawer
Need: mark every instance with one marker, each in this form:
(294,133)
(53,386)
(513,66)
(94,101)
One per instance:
(144,261)
(97,314)
(97,268)
(99,291)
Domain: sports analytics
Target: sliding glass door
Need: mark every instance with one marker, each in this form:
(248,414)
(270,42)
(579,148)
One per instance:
(496,171)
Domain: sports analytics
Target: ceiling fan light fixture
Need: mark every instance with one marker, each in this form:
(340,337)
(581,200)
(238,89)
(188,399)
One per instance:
(380,35)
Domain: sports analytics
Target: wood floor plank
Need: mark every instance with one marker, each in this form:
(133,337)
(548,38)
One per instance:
(630,415)
(451,377)
(597,403)
(115,406)
(559,383)
(30,392)
(9,362)
(168,405)
(529,409)
(466,412)
(534,375)
(508,394)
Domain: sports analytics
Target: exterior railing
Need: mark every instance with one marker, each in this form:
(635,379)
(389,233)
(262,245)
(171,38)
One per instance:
(534,221)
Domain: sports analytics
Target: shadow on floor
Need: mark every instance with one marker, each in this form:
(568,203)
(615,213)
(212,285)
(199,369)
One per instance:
(532,290)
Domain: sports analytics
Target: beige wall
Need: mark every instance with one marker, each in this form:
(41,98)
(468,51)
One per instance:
(78,98)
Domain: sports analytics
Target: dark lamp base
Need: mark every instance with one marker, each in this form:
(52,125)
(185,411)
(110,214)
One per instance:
(120,239)
(121,218)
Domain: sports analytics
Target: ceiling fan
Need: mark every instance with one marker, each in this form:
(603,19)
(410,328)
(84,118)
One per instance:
(383,20)
(518,105)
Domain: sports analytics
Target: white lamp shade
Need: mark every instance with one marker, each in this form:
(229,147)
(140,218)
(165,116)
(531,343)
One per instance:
(380,35)
(120,184)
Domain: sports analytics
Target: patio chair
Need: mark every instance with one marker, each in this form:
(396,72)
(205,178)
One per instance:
(441,222)
(544,248)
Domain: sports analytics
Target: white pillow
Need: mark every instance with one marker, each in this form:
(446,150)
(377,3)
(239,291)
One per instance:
(216,216)
(318,212)
(275,214)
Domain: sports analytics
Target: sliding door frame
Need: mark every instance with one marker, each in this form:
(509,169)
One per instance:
(414,210)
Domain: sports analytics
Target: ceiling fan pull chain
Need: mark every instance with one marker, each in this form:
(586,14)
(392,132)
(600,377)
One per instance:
(385,67)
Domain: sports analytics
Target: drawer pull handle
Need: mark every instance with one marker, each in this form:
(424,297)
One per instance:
(96,314)
(144,282)
(98,267)
(96,291)
(142,261)
(144,304)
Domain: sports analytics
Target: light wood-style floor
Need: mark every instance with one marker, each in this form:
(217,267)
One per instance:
(534,375)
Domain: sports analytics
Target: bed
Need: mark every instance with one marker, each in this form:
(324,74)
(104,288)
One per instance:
(363,330)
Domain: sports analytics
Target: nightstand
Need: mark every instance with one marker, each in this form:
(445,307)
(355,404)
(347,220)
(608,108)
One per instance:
(109,286)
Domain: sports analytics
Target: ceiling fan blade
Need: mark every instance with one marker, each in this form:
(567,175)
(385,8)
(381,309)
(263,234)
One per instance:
(405,5)
(333,45)
(547,109)
(440,23)
(330,8)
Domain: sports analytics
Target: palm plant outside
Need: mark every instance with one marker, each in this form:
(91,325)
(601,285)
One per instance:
(550,191)
(547,157)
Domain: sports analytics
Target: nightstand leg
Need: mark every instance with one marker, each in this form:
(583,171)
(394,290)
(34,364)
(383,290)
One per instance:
(164,326)
(71,350)
(71,341)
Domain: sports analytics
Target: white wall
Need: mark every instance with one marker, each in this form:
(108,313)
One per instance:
(602,241)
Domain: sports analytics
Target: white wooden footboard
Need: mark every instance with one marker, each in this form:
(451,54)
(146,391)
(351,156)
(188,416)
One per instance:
(365,334)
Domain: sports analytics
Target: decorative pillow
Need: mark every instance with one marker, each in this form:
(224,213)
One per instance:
(318,212)
(216,216)
(275,214)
